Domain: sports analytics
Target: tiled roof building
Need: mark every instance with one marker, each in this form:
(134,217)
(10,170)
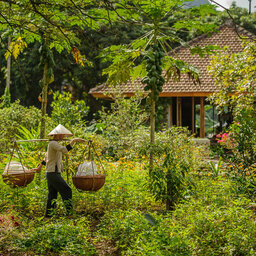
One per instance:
(185,89)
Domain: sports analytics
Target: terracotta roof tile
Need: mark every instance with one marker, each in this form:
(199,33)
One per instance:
(226,36)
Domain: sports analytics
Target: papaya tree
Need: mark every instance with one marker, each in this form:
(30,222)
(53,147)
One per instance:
(150,57)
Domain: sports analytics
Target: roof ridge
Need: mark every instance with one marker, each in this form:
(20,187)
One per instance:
(227,23)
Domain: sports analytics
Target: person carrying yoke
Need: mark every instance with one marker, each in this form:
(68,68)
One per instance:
(54,167)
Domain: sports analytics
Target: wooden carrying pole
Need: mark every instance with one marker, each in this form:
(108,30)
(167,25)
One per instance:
(36,140)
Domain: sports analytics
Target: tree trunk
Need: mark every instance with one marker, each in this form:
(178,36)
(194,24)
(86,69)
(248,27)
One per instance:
(152,127)
(44,99)
(8,76)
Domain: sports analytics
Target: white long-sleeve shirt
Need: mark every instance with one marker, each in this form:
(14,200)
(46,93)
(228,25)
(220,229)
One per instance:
(54,156)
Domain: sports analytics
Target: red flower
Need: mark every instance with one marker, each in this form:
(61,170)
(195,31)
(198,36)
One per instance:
(16,224)
(12,217)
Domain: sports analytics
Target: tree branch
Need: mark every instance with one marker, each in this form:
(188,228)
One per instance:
(233,21)
(50,21)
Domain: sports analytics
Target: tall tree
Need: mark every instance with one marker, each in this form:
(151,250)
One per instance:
(147,56)
(53,24)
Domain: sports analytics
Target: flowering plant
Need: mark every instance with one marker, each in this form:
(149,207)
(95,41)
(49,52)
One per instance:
(225,140)
(240,140)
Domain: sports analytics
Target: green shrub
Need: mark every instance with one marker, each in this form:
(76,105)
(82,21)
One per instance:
(6,98)
(213,222)
(124,188)
(62,238)
(12,118)
(68,113)
(123,226)
(175,155)
(134,234)
(223,232)
(198,231)
(237,146)
(121,123)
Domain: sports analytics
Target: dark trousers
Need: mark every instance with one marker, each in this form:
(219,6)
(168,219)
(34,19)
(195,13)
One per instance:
(56,184)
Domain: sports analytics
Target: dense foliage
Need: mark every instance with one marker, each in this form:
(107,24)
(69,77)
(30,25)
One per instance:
(182,203)
(210,215)
(124,126)
(68,113)
(12,118)
(235,74)
(123,219)
(92,37)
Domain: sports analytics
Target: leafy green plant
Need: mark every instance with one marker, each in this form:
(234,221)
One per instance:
(135,235)
(123,226)
(216,168)
(68,113)
(215,229)
(243,135)
(168,180)
(176,155)
(63,238)
(235,75)
(6,99)
(121,123)
(26,134)
(237,147)
(124,188)
(30,134)
(12,118)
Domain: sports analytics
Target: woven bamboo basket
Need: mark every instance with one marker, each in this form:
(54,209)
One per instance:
(89,182)
(17,175)
(18,180)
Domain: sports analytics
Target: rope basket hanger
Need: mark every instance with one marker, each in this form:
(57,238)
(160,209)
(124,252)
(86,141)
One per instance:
(90,182)
(15,173)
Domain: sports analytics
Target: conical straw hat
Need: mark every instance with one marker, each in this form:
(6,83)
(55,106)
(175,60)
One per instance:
(60,129)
